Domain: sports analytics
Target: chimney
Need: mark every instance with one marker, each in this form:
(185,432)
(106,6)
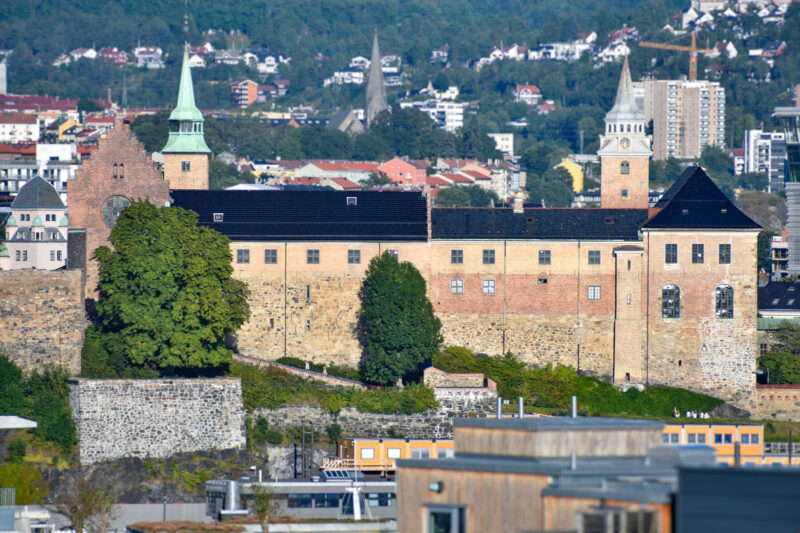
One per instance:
(518,203)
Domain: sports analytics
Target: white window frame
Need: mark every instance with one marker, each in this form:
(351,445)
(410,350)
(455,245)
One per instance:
(456,286)
(393,453)
(367,453)
(489,286)
(594,292)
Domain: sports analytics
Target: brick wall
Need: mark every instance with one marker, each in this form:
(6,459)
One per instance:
(118,418)
(194,178)
(42,318)
(778,402)
(94,184)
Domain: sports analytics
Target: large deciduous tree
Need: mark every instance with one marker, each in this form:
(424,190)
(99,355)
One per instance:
(400,333)
(167,297)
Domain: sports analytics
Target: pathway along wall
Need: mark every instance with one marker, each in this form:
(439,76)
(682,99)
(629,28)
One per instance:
(118,418)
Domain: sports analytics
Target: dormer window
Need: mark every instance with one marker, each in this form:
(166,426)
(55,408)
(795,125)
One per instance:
(352,200)
(218,217)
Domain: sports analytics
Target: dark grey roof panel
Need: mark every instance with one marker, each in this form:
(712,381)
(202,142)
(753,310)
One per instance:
(537,223)
(310,215)
(37,194)
(779,295)
(695,202)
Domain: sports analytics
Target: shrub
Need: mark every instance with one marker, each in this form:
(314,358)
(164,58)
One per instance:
(16,451)
(344,372)
(31,488)
(334,432)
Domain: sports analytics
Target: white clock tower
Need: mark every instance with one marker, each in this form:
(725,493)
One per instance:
(625,152)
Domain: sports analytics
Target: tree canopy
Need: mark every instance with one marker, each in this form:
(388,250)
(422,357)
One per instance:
(399,330)
(167,296)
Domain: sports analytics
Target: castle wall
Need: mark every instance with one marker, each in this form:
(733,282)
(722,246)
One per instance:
(196,177)
(118,418)
(42,318)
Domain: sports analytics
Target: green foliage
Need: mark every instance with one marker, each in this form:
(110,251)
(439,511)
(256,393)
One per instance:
(400,330)
(222,175)
(260,432)
(31,488)
(553,189)
(168,298)
(344,372)
(334,432)
(87,105)
(765,251)
(47,395)
(299,363)
(783,360)
(12,393)
(16,451)
(552,388)
(271,388)
(469,196)
(376,180)
(97,362)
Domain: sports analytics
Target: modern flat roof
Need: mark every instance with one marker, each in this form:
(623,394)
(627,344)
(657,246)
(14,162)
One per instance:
(559,423)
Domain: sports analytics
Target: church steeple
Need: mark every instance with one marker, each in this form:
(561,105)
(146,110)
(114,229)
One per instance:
(625,151)
(376,90)
(186,154)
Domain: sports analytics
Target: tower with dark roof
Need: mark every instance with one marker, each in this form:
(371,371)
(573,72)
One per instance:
(186,154)
(376,90)
(625,151)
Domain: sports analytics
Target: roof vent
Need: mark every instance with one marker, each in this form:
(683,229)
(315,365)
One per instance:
(218,217)
(684,211)
(610,220)
(724,211)
(352,200)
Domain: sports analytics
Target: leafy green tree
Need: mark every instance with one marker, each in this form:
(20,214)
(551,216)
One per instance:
(400,332)
(12,394)
(31,488)
(221,175)
(167,296)
(480,197)
(48,396)
(263,506)
(376,180)
(554,188)
(441,82)
(783,361)
(87,105)
(765,250)
(88,504)
(453,197)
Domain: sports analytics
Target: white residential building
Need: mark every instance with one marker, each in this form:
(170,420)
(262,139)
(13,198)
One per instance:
(504,143)
(765,152)
(346,76)
(149,57)
(528,94)
(447,115)
(19,127)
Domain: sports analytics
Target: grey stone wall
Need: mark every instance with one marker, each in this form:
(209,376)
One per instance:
(431,424)
(118,418)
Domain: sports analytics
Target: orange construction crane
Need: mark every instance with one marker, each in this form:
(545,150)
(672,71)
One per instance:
(693,51)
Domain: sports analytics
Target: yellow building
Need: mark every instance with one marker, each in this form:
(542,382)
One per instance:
(379,455)
(575,171)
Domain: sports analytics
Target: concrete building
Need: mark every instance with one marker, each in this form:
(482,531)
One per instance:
(686,115)
(244,93)
(765,153)
(55,163)
(789,118)
(448,115)
(504,143)
(36,230)
(186,154)
(407,172)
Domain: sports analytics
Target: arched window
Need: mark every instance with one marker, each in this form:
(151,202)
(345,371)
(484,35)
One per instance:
(115,175)
(625,167)
(629,128)
(121,170)
(671,301)
(724,297)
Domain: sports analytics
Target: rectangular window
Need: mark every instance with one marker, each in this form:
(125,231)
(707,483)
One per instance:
(185,166)
(52,255)
(368,453)
(242,256)
(488,257)
(701,439)
(691,438)
(420,453)
(393,453)
(745,439)
(442,519)
(594,292)
(271,256)
(754,439)
(728,438)
(488,286)
(718,438)
(447,453)
(673,439)
(457,286)
(664,438)
(219,217)
(58,255)
(724,254)
(544,257)
(594,257)
(671,253)
(353,257)
(24,255)
(17,255)
(312,257)
(698,253)
(457,257)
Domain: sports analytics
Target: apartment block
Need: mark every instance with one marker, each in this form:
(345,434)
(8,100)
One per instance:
(686,115)
(765,152)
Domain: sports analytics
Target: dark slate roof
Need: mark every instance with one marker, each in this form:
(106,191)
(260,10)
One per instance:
(779,295)
(37,194)
(559,423)
(537,223)
(695,202)
(310,215)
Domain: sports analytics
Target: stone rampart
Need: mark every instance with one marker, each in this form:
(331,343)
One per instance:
(431,424)
(778,402)
(42,318)
(434,378)
(118,418)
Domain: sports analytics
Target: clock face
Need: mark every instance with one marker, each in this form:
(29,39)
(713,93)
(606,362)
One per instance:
(112,209)
(625,143)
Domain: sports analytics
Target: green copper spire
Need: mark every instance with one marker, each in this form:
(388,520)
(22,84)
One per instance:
(186,121)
